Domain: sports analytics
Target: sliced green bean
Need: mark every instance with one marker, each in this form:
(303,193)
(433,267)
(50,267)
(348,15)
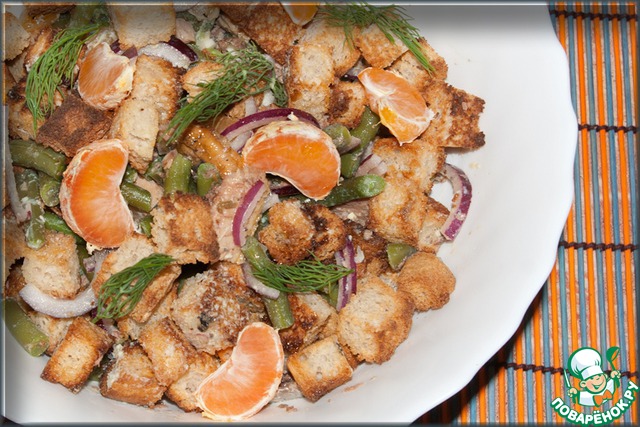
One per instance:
(55,223)
(136,197)
(366,130)
(178,175)
(29,193)
(279,311)
(30,154)
(206,176)
(130,175)
(83,253)
(397,254)
(358,187)
(155,171)
(23,329)
(145,225)
(340,135)
(49,190)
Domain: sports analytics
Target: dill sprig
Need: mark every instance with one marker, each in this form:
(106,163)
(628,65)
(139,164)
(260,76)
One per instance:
(245,73)
(54,67)
(123,290)
(391,20)
(305,276)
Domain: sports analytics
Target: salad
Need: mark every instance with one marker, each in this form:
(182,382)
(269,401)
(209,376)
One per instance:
(200,209)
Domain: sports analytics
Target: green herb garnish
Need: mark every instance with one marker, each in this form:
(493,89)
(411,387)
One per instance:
(122,291)
(53,68)
(245,72)
(391,20)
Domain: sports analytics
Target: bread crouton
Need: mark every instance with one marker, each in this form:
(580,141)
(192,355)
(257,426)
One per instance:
(373,247)
(403,214)
(330,234)
(375,321)
(202,73)
(214,306)
(183,228)
(311,313)
(129,377)
(77,354)
(53,327)
(344,55)
(168,349)
(427,280)
(54,268)
(8,81)
(348,101)
(259,21)
(132,329)
(15,37)
(42,43)
(407,66)
(14,245)
(457,114)
(141,25)
(319,368)
(309,78)
(182,391)
(14,283)
(46,8)
(417,162)
(68,136)
(376,48)
(20,120)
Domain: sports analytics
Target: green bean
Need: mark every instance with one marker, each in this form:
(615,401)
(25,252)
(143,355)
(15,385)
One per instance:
(23,329)
(29,154)
(81,15)
(136,197)
(366,130)
(340,135)
(178,175)
(332,294)
(130,175)
(55,223)
(255,254)
(358,187)
(155,172)
(49,190)
(83,253)
(145,225)
(206,176)
(28,191)
(279,311)
(397,254)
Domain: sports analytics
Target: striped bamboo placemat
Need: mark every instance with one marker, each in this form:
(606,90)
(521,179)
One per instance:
(590,297)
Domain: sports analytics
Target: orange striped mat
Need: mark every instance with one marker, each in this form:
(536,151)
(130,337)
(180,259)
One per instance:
(590,297)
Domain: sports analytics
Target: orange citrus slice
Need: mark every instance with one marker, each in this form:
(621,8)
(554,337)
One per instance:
(300,13)
(297,151)
(400,106)
(105,78)
(248,380)
(90,198)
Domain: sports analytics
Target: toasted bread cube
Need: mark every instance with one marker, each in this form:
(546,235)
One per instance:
(183,228)
(42,43)
(68,136)
(214,306)
(141,25)
(46,8)
(319,368)
(376,48)
(130,377)
(343,54)
(168,349)
(14,245)
(427,280)
(375,321)
(53,327)
(182,391)
(16,38)
(348,101)
(77,354)
(373,248)
(311,313)
(457,114)
(132,328)
(407,66)
(55,267)
(20,118)
(201,73)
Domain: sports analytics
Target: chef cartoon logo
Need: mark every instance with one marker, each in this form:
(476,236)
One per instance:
(591,388)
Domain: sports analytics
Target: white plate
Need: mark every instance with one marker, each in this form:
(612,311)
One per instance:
(522,182)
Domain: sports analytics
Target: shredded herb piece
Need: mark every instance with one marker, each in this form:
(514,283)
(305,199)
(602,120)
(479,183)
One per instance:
(304,276)
(122,291)
(391,20)
(53,68)
(245,73)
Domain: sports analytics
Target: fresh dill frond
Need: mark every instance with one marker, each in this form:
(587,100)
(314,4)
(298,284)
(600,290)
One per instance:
(245,73)
(54,67)
(123,290)
(391,20)
(305,276)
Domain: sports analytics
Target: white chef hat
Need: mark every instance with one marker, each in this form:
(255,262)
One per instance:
(585,363)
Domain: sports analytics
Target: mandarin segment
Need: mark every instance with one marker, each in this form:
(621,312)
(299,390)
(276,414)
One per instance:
(90,198)
(300,13)
(248,380)
(297,151)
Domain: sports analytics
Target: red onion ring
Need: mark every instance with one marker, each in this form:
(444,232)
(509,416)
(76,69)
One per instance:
(460,202)
(183,48)
(261,118)
(58,307)
(257,285)
(245,210)
(348,284)
(373,164)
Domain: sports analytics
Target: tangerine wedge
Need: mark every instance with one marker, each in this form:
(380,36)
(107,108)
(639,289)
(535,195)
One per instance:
(298,152)
(248,380)
(300,13)
(401,107)
(104,78)
(90,198)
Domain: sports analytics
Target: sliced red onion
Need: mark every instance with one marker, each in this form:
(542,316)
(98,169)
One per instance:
(257,285)
(183,48)
(346,285)
(284,189)
(168,52)
(58,307)
(239,141)
(261,118)
(460,202)
(132,52)
(245,210)
(372,165)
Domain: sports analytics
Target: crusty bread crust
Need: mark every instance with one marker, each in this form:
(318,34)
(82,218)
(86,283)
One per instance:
(426,280)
